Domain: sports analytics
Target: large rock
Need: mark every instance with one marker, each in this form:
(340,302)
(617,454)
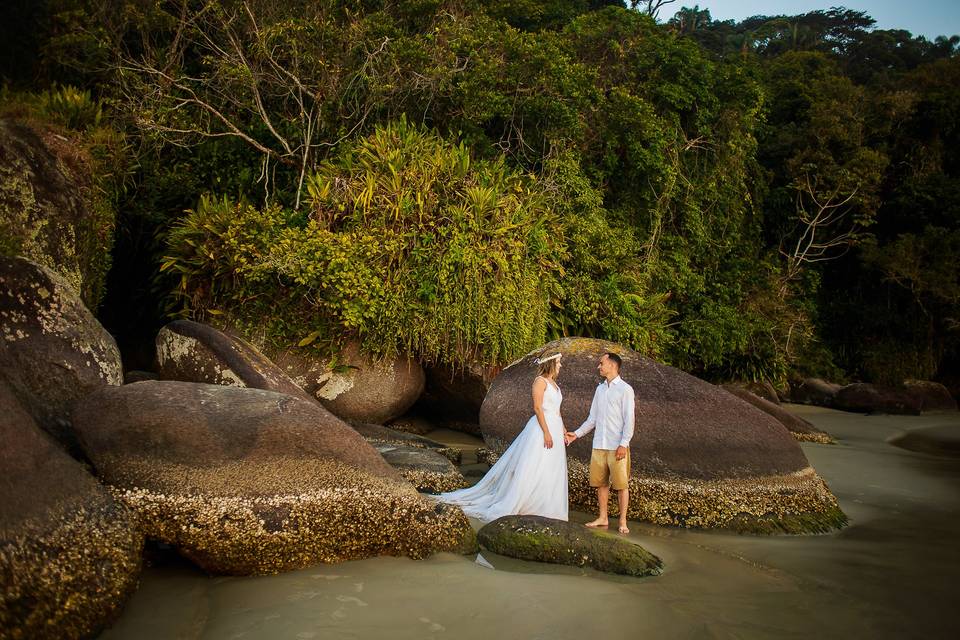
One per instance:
(191,351)
(556,541)
(814,391)
(51,212)
(862,397)
(762,389)
(941,440)
(426,470)
(246,481)
(933,396)
(700,457)
(376,434)
(69,553)
(798,427)
(367,390)
(53,351)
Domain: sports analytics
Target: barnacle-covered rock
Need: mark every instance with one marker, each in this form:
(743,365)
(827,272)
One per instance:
(801,429)
(556,541)
(425,469)
(52,350)
(700,457)
(246,481)
(69,553)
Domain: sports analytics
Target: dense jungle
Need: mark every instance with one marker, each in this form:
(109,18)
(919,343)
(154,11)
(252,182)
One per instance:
(755,200)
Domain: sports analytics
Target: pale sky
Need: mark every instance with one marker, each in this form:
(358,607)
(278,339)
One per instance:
(929,18)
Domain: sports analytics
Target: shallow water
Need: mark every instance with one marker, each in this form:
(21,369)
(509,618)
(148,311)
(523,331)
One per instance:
(892,573)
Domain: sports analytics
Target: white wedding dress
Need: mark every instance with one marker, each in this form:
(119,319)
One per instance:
(528,479)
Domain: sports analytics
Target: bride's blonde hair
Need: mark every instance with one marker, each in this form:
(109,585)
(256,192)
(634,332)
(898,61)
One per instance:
(548,365)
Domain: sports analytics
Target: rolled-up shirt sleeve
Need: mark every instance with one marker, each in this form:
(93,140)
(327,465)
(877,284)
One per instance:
(627,410)
(591,420)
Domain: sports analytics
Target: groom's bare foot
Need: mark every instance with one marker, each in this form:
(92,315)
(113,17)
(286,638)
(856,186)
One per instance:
(597,523)
(623,528)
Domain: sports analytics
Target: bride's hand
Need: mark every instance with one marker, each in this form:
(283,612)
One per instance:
(547,441)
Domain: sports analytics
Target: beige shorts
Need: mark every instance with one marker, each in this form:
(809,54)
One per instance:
(605,469)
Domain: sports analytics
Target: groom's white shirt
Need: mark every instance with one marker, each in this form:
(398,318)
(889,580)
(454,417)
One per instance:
(611,412)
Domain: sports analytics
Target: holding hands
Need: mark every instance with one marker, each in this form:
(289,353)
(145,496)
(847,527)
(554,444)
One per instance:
(569,436)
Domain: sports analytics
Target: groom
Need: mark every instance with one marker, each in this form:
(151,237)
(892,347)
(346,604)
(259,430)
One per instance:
(612,414)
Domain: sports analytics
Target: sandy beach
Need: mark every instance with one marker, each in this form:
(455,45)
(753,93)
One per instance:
(892,573)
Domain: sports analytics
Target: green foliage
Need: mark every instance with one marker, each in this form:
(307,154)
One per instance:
(410,244)
(605,289)
(670,177)
(73,108)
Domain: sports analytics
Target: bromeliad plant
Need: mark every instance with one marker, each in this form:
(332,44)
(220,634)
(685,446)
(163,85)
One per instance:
(409,244)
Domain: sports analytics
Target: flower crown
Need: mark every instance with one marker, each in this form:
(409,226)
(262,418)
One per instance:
(555,356)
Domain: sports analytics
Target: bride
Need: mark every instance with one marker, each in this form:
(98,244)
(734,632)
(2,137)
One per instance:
(530,478)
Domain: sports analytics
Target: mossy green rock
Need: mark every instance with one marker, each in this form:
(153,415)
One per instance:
(558,542)
(51,210)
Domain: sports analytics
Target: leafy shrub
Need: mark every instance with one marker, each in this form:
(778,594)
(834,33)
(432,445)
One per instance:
(409,244)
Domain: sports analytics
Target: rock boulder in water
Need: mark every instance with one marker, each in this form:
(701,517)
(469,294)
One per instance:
(801,429)
(869,398)
(376,434)
(69,553)
(558,542)
(700,457)
(246,481)
(53,351)
(933,396)
(940,440)
(425,469)
(814,391)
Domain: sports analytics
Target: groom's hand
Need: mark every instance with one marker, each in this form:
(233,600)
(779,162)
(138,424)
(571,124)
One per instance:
(569,437)
(621,453)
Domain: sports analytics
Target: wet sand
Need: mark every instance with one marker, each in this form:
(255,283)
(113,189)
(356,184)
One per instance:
(892,573)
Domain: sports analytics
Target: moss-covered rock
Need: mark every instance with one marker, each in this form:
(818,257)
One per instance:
(52,210)
(246,481)
(558,542)
(69,552)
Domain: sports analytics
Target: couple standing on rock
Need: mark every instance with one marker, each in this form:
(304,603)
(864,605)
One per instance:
(531,476)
